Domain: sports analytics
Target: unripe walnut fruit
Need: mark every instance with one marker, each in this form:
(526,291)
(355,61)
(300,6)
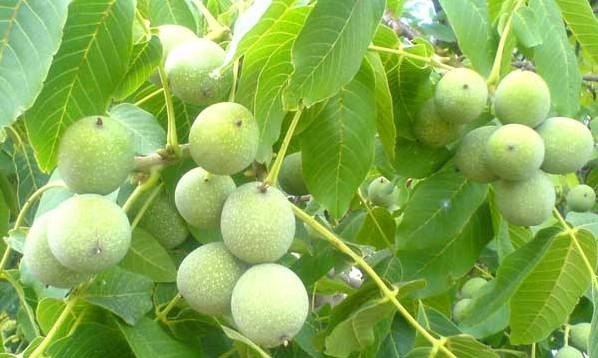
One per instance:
(568,143)
(290,177)
(207,276)
(89,233)
(568,352)
(461,96)
(522,97)
(472,287)
(40,261)
(433,131)
(382,192)
(224,138)
(257,223)
(96,155)
(269,304)
(190,70)
(470,158)
(162,220)
(199,197)
(514,152)
(527,202)
(581,198)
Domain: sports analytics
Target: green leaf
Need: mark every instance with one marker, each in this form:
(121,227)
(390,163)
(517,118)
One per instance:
(470,22)
(525,26)
(378,229)
(177,12)
(148,135)
(555,59)
(439,209)
(329,50)
(593,340)
(92,340)
(464,346)
(93,58)
(148,340)
(450,255)
(587,221)
(512,271)
(385,109)
(357,331)
(550,292)
(29,177)
(254,25)
(31,33)
(144,61)
(232,334)
(414,160)
(49,309)
(124,293)
(582,22)
(266,70)
(338,147)
(410,83)
(147,257)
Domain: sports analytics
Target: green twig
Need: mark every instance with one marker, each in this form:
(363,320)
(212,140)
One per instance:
(571,232)
(213,24)
(141,188)
(164,313)
(172,142)
(146,205)
(149,96)
(433,61)
(390,294)
(40,349)
(273,174)
(233,91)
(494,76)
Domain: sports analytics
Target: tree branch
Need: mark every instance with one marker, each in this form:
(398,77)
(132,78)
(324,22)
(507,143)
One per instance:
(528,66)
(401,28)
(160,158)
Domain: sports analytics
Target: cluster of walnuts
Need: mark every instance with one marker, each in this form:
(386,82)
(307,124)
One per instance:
(515,154)
(89,233)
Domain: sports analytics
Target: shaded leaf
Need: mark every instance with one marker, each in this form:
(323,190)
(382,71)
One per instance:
(91,340)
(550,292)
(338,148)
(147,257)
(378,229)
(124,293)
(555,59)
(87,69)
(148,135)
(31,33)
(329,50)
(232,334)
(470,22)
(144,60)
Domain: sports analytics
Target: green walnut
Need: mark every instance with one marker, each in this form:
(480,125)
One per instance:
(460,309)
(568,352)
(190,70)
(162,220)
(568,143)
(382,192)
(527,202)
(472,287)
(470,158)
(514,152)
(522,97)
(580,336)
(224,138)
(257,223)
(207,276)
(269,304)
(290,177)
(199,197)
(170,37)
(433,131)
(96,155)
(89,233)
(461,96)
(38,258)
(581,198)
